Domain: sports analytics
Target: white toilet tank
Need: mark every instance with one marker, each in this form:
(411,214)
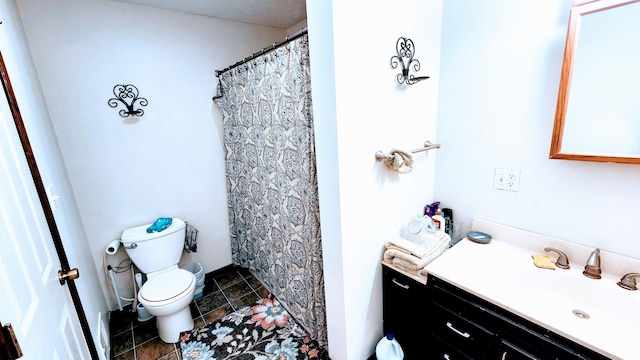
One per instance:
(155,251)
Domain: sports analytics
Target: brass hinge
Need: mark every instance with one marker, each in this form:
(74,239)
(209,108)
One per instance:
(9,346)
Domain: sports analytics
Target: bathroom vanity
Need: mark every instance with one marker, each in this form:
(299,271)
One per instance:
(463,326)
(489,301)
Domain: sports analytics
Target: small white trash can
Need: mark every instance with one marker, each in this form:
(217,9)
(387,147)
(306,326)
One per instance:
(143,314)
(198,271)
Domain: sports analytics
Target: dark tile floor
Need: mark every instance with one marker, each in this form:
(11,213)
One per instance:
(226,290)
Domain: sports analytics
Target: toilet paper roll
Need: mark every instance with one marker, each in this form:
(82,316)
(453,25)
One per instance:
(113,247)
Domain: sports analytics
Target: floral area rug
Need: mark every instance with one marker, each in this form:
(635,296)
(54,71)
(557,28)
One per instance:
(261,331)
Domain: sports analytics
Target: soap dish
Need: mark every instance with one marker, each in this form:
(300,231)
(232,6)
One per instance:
(479,237)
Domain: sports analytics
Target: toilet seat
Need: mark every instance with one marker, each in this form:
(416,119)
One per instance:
(166,288)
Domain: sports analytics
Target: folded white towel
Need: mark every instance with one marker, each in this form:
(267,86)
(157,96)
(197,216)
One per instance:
(430,240)
(416,265)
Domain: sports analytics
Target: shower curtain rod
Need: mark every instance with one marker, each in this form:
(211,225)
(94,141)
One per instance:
(264,51)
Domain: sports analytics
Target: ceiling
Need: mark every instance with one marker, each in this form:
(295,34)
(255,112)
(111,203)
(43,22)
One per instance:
(275,13)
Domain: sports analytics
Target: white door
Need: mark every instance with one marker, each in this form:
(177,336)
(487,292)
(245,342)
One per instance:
(39,309)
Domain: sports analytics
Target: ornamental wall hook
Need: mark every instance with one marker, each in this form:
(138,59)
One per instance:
(405,50)
(127,95)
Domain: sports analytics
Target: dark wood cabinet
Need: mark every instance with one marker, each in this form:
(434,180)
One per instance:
(441,321)
(405,312)
(464,326)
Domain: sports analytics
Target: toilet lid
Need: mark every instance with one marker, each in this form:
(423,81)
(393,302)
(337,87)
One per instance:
(166,286)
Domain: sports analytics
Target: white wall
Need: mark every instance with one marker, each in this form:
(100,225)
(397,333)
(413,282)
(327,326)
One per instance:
(358,112)
(33,109)
(321,52)
(501,63)
(169,162)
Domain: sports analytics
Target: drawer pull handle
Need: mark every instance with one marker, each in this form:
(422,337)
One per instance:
(404,286)
(465,334)
(446,357)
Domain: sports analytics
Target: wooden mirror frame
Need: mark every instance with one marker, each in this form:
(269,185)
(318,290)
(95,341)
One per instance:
(579,9)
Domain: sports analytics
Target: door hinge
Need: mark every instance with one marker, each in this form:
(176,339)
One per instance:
(9,346)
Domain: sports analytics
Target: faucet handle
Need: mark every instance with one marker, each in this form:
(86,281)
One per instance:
(628,281)
(562,262)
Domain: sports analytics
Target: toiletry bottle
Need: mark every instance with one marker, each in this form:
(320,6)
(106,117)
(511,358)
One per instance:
(447,214)
(438,221)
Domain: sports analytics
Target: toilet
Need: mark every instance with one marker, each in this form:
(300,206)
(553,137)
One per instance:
(168,290)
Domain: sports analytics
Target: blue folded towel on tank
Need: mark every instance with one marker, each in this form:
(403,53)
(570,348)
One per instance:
(159,225)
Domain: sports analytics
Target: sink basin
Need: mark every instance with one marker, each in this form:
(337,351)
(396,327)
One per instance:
(583,305)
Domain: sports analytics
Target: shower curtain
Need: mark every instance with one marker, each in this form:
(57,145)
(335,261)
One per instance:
(271,179)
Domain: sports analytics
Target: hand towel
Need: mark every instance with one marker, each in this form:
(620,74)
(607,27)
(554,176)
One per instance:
(418,250)
(400,161)
(413,264)
(159,225)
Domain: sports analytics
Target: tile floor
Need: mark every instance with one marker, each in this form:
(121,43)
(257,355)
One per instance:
(225,291)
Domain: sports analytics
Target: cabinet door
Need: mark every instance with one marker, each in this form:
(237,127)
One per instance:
(405,312)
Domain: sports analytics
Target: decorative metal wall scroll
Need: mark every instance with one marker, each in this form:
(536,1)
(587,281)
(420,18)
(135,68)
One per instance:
(406,50)
(127,95)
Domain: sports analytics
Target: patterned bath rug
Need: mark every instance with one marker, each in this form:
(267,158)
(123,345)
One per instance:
(261,331)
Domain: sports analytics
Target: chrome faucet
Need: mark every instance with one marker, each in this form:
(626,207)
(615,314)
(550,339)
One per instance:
(628,281)
(562,262)
(592,269)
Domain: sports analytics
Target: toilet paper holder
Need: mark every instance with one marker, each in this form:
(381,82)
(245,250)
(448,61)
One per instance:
(113,247)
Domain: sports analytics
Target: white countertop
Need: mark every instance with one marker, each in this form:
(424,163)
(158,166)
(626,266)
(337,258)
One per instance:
(502,272)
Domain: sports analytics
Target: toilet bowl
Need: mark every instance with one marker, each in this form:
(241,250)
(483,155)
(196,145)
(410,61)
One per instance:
(168,290)
(167,297)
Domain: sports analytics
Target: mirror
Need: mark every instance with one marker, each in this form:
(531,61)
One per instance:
(598,110)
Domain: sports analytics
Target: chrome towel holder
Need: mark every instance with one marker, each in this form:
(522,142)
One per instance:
(428,145)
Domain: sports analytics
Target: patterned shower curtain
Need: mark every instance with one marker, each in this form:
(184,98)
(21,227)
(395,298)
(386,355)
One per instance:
(271,179)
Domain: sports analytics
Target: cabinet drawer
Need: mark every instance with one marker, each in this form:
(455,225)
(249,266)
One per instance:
(443,351)
(510,351)
(539,343)
(463,305)
(460,333)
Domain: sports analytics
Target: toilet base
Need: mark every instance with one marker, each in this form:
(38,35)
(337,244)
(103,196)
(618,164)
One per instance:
(169,327)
